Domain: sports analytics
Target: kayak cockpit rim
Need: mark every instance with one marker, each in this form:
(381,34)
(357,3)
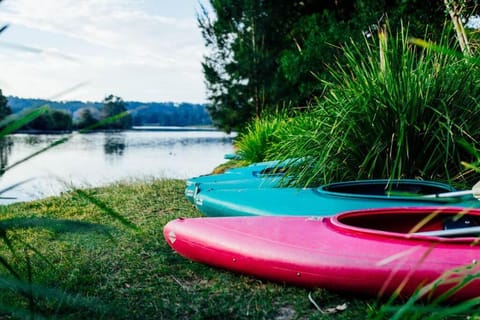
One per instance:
(441,224)
(409,189)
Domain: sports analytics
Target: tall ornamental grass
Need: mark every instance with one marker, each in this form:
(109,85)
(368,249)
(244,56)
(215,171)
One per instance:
(254,143)
(394,110)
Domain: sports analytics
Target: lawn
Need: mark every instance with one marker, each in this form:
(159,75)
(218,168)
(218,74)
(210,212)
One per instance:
(120,271)
(123,272)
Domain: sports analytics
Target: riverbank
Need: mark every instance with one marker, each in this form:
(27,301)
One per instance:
(133,273)
(122,268)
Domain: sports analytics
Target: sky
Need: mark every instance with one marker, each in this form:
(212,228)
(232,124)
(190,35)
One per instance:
(138,50)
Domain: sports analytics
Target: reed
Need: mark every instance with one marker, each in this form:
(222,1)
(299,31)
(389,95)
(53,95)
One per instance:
(254,143)
(394,110)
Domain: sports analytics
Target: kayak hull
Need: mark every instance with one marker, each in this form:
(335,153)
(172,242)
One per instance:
(325,200)
(234,182)
(257,175)
(327,252)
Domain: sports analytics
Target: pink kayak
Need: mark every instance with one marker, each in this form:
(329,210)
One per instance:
(427,251)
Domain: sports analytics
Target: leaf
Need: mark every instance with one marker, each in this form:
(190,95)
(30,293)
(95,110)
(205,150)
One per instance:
(107,209)
(14,122)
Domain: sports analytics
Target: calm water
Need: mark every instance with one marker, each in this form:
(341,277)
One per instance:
(97,159)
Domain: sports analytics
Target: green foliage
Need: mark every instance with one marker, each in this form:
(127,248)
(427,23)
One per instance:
(59,118)
(143,113)
(265,56)
(245,38)
(115,107)
(312,48)
(253,144)
(5,110)
(393,110)
(52,120)
(85,118)
(16,121)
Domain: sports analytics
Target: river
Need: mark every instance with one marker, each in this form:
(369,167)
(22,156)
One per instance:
(96,159)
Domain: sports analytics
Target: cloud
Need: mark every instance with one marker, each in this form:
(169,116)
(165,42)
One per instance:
(101,38)
(115,24)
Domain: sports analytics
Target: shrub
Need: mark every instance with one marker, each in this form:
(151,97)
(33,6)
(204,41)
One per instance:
(394,110)
(254,143)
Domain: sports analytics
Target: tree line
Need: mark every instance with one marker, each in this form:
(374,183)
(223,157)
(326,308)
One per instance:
(271,55)
(113,113)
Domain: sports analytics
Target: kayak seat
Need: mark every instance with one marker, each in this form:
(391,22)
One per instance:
(464,221)
(382,189)
(393,222)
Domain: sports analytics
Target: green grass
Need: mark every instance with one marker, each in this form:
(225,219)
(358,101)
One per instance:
(134,274)
(120,272)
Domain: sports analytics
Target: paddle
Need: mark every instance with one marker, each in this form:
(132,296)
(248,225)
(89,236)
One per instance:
(475,192)
(450,232)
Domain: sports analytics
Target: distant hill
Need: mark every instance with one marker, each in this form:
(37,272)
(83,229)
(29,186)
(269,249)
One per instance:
(151,113)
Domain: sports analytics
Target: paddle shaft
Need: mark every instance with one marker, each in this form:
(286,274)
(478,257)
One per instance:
(475,192)
(449,194)
(450,232)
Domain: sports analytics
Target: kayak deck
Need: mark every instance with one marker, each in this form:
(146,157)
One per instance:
(408,222)
(377,252)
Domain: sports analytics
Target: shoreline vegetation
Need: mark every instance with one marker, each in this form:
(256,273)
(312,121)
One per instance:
(124,272)
(70,115)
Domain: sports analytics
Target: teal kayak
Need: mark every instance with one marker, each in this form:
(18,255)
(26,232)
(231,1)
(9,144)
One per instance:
(261,174)
(254,182)
(327,200)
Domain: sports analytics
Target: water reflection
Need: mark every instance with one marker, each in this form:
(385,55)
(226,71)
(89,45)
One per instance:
(96,159)
(114,145)
(33,139)
(6,145)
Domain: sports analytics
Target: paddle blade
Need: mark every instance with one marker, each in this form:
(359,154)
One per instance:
(476,190)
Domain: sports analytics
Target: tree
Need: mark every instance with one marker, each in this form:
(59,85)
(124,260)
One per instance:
(60,120)
(52,120)
(267,55)
(5,110)
(115,112)
(85,118)
(245,39)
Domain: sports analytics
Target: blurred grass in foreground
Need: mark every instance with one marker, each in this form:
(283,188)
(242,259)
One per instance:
(19,257)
